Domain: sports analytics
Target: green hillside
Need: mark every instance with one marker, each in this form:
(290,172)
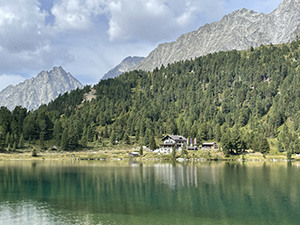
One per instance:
(241,99)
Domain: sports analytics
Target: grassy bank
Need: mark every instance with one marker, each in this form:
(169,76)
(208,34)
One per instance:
(122,153)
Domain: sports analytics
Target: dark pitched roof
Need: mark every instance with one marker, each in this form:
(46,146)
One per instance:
(175,137)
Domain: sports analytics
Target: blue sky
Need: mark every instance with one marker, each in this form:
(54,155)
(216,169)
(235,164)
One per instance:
(90,37)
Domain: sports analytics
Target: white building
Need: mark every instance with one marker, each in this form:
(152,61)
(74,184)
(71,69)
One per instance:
(171,141)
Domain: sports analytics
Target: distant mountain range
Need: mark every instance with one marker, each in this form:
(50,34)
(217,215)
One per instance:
(238,30)
(126,65)
(39,90)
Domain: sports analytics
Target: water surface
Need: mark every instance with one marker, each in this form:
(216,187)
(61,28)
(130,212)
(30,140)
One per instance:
(96,192)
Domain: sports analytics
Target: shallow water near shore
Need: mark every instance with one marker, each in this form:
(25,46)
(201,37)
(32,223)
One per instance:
(97,192)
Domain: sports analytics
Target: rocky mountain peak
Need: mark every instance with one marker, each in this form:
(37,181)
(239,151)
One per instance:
(43,88)
(289,2)
(238,30)
(126,65)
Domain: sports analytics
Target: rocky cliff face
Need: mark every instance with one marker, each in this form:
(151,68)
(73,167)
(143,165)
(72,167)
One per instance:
(239,30)
(39,90)
(126,65)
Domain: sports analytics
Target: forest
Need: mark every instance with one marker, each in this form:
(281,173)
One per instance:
(240,99)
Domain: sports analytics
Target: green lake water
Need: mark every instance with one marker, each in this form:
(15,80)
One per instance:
(97,192)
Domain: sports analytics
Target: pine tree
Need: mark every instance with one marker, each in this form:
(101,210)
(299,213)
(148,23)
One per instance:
(64,140)
(264,145)
(141,150)
(146,138)
(297,146)
(226,143)
(21,142)
(280,146)
(152,144)
(126,139)
(113,138)
(289,154)
(42,140)
(7,139)
(105,135)
(83,141)
(218,134)
(57,132)
(2,140)
(236,141)
(14,146)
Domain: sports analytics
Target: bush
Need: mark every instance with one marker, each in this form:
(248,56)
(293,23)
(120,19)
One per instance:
(34,153)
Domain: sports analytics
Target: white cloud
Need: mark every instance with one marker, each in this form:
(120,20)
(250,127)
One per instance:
(151,20)
(71,14)
(156,20)
(22,26)
(10,79)
(77,15)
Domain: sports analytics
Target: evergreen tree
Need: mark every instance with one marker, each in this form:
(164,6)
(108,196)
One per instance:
(280,146)
(226,143)
(14,146)
(218,134)
(113,138)
(73,135)
(126,139)
(64,140)
(83,141)
(152,144)
(141,150)
(236,142)
(289,154)
(7,139)
(21,142)
(2,138)
(297,146)
(264,145)
(42,140)
(202,132)
(105,135)
(146,138)
(57,132)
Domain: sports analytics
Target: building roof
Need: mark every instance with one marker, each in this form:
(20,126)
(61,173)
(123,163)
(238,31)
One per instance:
(134,153)
(175,137)
(208,143)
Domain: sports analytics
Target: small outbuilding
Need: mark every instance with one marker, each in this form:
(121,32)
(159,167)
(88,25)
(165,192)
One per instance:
(209,145)
(134,154)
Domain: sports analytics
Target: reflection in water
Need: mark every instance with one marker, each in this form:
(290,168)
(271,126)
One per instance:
(135,193)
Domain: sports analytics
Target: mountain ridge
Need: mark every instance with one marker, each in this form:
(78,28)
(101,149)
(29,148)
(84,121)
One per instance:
(43,88)
(240,30)
(126,65)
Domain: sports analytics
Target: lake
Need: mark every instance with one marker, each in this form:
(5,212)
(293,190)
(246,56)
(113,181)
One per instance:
(100,192)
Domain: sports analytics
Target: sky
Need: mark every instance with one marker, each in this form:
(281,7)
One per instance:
(90,37)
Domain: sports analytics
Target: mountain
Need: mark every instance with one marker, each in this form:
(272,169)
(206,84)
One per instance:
(126,65)
(241,99)
(38,90)
(239,30)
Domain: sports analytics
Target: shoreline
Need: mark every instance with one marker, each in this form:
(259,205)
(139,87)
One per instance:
(148,156)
